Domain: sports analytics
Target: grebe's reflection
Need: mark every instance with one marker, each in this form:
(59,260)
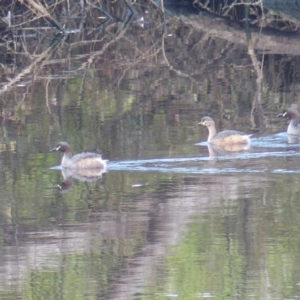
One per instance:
(87,175)
(226,149)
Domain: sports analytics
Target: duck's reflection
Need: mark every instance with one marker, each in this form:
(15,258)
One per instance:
(293,139)
(86,175)
(215,151)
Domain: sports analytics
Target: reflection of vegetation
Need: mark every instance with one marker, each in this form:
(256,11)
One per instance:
(78,224)
(79,280)
(220,254)
(194,263)
(271,14)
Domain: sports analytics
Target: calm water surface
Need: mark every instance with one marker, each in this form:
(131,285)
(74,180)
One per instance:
(171,218)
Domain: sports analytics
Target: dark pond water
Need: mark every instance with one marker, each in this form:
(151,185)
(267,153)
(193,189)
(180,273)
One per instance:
(171,218)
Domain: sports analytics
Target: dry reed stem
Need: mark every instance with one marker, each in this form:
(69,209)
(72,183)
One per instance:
(40,8)
(44,55)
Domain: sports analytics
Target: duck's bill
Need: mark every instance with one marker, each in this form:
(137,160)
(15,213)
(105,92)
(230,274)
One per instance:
(283,114)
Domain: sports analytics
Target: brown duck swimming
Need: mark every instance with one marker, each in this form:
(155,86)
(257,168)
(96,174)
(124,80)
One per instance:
(224,138)
(85,160)
(293,116)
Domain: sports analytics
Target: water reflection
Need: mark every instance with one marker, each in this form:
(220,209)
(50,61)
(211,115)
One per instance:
(226,149)
(85,175)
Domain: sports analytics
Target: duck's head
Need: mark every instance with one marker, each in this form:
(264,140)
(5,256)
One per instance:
(62,147)
(289,113)
(207,121)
